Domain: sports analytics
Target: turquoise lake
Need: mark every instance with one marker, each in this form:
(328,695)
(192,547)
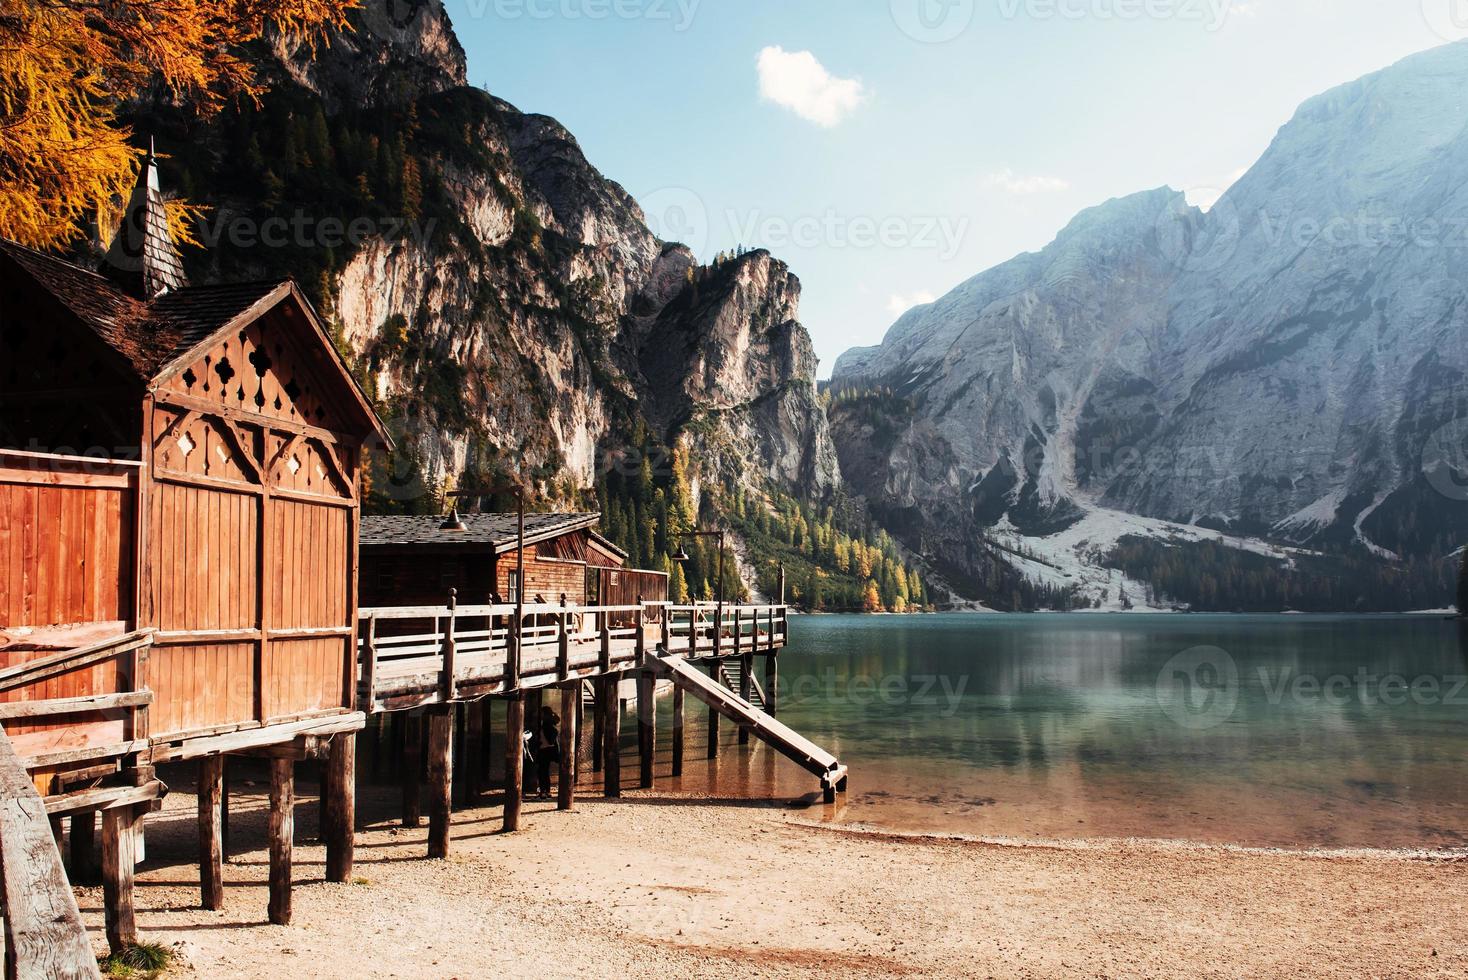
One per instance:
(1297,731)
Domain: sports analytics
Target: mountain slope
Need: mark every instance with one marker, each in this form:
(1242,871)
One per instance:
(1288,365)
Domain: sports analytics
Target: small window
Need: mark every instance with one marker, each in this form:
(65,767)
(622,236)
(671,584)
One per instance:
(513,594)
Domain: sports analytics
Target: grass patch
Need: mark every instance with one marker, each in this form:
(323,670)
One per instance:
(139,962)
(359,880)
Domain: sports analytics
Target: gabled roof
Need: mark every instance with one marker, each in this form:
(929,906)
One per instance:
(158,337)
(491,531)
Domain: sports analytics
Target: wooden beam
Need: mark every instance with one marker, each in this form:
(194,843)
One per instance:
(44,935)
(282,834)
(514,759)
(341,813)
(570,742)
(73,706)
(119,852)
(104,798)
(211,832)
(440,778)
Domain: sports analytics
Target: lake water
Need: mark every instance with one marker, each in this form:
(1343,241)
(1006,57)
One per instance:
(1328,731)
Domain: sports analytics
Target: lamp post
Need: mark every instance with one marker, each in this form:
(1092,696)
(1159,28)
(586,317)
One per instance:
(682,557)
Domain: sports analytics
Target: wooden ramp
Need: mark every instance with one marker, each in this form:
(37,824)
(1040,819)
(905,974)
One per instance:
(784,739)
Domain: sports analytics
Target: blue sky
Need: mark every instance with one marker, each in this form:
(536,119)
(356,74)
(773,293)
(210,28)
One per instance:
(889,149)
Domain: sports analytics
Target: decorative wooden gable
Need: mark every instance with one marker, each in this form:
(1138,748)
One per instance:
(265,369)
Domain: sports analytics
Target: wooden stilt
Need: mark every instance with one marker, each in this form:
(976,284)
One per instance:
(678,730)
(611,705)
(341,814)
(713,714)
(474,751)
(119,850)
(570,740)
(598,725)
(84,848)
(412,768)
(514,759)
(580,730)
(224,768)
(828,793)
(772,683)
(647,727)
(440,778)
(211,834)
(282,837)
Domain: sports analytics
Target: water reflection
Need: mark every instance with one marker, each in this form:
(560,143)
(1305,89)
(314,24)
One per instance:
(1069,725)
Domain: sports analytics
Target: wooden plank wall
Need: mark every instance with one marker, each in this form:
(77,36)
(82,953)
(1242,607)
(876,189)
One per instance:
(67,531)
(547,577)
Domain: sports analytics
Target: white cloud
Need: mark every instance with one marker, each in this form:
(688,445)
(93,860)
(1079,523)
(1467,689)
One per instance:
(897,304)
(800,83)
(1021,185)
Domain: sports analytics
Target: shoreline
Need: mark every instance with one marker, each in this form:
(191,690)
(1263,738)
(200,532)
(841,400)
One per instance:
(658,885)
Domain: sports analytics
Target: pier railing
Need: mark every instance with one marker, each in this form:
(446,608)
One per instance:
(416,655)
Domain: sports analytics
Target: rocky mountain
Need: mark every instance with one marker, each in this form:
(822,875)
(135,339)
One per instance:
(507,304)
(1288,366)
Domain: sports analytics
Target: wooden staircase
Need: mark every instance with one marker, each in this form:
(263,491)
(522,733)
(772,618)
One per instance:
(730,674)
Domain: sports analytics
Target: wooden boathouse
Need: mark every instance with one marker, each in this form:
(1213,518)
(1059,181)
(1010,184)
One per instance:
(178,539)
(180,545)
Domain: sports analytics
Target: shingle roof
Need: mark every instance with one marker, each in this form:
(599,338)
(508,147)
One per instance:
(141,258)
(148,335)
(497,530)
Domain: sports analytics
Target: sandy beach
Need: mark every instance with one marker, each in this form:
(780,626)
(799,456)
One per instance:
(659,885)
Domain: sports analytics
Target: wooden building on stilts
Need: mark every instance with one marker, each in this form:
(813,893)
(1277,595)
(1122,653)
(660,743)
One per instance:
(185,576)
(179,515)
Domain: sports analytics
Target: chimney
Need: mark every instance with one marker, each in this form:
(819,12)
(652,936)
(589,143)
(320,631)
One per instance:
(141,258)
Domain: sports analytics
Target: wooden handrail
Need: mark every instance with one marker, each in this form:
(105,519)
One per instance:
(52,665)
(44,935)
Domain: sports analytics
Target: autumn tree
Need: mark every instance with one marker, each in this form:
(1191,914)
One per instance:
(67,65)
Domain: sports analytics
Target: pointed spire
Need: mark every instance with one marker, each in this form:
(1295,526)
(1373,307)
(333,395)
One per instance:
(142,258)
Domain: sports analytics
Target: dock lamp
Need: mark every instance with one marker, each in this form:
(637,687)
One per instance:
(682,557)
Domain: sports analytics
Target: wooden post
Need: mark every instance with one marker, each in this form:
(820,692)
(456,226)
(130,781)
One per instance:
(677,730)
(474,731)
(412,769)
(772,682)
(369,663)
(713,713)
(119,850)
(598,725)
(341,813)
(211,833)
(449,683)
(282,837)
(514,759)
(580,729)
(611,707)
(84,848)
(746,664)
(563,643)
(570,740)
(647,726)
(440,778)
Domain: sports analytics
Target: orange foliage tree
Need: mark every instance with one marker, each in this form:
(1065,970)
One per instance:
(67,65)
